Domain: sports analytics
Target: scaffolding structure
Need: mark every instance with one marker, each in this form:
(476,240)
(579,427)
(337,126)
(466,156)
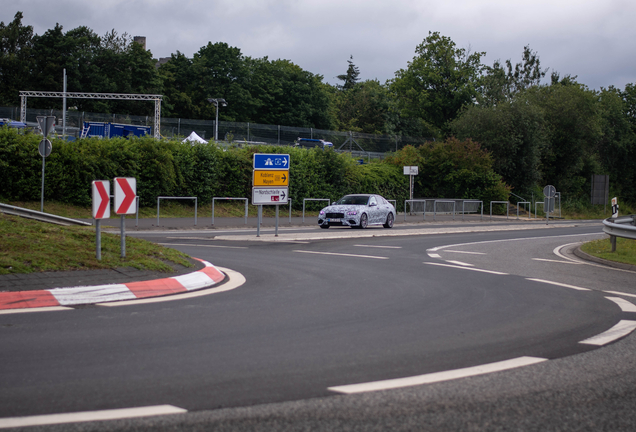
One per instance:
(92,95)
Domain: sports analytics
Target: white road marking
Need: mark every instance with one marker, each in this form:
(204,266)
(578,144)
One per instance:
(42,309)
(341,254)
(620,293)
(383,247)
(556,261)
(622,329)
(460,263)
(623,304)
(510,240)
(559,284)
(203,245)
(437,376)
(466,252)
(465,268)
(434,255)
(88,416)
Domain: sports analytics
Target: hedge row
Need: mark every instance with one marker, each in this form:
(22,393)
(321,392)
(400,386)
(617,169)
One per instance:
(172,168)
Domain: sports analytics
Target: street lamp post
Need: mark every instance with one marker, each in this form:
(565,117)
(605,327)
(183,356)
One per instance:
(216,102)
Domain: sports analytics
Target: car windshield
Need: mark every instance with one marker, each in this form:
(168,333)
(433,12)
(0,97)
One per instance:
(353,200)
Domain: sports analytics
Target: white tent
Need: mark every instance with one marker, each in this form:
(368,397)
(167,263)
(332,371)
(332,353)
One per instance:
(194,138)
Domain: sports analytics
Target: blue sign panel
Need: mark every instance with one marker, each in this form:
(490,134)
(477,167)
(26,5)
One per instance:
(271,161)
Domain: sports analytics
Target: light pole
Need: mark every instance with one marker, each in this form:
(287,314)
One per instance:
(216,102)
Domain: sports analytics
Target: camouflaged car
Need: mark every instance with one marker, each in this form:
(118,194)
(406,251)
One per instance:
(358,211)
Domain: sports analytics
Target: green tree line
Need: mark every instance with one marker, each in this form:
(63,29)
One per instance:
(458,169)
(540,128)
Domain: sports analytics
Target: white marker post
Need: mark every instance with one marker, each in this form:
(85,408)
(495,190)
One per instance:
(101,210)
(125,194)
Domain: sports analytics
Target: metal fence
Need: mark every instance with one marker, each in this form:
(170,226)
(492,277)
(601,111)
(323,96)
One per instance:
(359,144)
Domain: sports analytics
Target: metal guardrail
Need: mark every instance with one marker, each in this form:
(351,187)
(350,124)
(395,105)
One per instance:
(624,226)
(42,217)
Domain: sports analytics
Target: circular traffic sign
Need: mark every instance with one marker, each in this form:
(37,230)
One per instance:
(45,147)
(549,191)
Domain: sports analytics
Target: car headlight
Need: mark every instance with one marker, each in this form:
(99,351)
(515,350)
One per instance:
(322,212)
(352,213)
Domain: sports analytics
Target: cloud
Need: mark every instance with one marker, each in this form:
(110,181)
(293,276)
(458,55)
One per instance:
(588,38)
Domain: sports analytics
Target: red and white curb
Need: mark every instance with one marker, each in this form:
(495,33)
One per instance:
(79,295)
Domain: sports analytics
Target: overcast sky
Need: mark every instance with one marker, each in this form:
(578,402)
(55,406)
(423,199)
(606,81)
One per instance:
(594,39)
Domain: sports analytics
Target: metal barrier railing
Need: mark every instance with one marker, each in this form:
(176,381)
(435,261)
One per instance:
(442,201)
(524,207)
(314,199)
(472,201)
(412,202)
(535,208)
(501,202)
(229,199)
(624,226)
(176,198)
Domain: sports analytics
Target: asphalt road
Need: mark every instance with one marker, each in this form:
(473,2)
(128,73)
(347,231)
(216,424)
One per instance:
(318,315)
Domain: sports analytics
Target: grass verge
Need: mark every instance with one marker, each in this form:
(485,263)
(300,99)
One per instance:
(28,246)
(625,250)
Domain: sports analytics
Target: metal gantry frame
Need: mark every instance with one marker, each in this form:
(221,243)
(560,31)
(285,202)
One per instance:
(92,95)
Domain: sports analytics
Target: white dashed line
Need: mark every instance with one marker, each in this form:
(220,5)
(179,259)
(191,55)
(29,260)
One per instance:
(622,329)
(437,376)
(88,416)
(465,268)
(434,255)
(382,247)
(559,284)
(460,263)
(620,293)
(466,252)
(623,304)
(556,261)
(341,254)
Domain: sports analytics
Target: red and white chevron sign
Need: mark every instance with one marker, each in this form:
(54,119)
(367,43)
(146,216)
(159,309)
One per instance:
(101,199)
(125,194)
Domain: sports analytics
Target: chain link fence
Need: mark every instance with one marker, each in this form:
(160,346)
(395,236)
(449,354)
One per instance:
(360,144)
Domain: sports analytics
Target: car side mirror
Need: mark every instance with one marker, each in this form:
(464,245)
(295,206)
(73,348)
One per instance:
(373,204)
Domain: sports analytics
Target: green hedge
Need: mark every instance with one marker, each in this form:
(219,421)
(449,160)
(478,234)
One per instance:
(170,168)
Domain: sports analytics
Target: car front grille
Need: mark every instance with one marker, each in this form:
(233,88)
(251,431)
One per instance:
(335,215)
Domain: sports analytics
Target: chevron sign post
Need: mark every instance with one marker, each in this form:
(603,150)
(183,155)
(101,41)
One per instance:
(101,210)
(125,200)
(125,194)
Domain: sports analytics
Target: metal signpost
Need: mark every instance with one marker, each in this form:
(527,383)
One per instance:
(47,124)
(549,193)
(125,199)
(270,183)
(411,171)
(101,210)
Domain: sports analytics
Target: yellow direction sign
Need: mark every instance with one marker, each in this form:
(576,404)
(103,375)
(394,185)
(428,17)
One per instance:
(271,178)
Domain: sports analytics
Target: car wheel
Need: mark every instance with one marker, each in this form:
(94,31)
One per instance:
(364,221)
(389,221)
(324,226)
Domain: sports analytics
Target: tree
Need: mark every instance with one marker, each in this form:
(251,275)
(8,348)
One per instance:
(514,132)
(437,83)
(349,79)
(16,43)
(617,146)
(363,108)
(220,71)
(501,84)
(573,129)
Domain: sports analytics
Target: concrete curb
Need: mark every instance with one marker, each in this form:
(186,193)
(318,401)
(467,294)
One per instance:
(81,295)
(579,253)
